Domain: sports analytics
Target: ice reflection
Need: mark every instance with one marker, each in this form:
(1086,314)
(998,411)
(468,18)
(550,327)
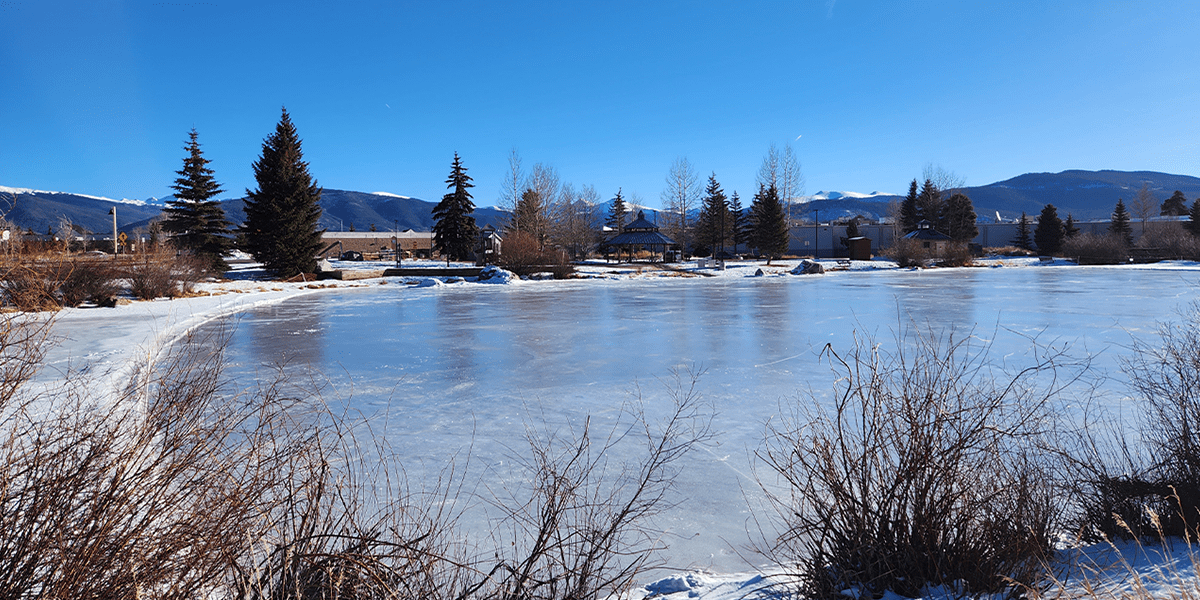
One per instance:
(466,364)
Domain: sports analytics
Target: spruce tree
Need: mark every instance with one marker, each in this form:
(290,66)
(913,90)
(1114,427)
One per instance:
(196,221)
(959,219)
(769,230)
(1069,228)
(739,223)
(1120,223)
(454,232)
(1193,223)
(930,206)
(713,227)
(1021,240)
(280,229)
(910,216)
(1049,232)
(616,213)
(1175,206)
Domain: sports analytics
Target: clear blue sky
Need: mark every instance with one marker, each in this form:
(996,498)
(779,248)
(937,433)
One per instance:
(98,97)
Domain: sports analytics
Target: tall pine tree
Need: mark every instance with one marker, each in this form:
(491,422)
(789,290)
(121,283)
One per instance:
(930,206)
(616,213)
(739,223)
(1048,235)
(196,221)
(1193,222)
(1119,226)
(958,219)
(454,232)
(1175,206)
(1021,240)
(910,215)
(769,230)
(1069,228)
(280,229)
(714,224)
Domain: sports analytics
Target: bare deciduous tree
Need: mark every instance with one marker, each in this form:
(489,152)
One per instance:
(679,198)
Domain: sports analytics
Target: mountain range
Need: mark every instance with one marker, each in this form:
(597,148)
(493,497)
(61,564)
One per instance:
(1086,195)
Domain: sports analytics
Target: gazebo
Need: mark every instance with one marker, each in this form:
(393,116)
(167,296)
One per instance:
(640,234)
(930,239)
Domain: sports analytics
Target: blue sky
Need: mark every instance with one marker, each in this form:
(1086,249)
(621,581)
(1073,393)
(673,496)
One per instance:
(98,97)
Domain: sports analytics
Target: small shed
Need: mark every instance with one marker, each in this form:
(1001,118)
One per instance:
(930,239)
(860,248)
(640,235)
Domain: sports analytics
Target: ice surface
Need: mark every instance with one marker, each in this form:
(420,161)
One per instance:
(455,368)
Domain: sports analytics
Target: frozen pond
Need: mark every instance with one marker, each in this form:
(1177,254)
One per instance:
(446,365)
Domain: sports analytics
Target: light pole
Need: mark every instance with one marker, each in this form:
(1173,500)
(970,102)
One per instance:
(396,237)
(816,233)
(113,211)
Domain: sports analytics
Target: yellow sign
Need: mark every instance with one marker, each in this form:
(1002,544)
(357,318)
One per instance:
(123,237)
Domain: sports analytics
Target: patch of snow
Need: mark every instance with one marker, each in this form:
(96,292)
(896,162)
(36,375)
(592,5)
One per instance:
(391,195)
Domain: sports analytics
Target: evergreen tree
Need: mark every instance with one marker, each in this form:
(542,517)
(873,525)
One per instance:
(930,206)
(616,213)
(959,219)
(852,229)
(455,231)
(530,216)
(196,221)
(1120,223)
(713,227)
(1069,228)
(910,216)
(1049,232)
(1193,223)
(769,230)
(739,223)
(1175,206)
(1021,240)
(280,229)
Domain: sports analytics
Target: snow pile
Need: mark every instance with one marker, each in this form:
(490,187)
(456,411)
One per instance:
(494,274)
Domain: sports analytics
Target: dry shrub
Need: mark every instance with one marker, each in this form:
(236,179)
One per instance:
(1096,249)
(30,286)
(923,471)
(164,275)
(907,253)
(580,527)
(1149,487)
(522,255)
(1170,241)
(956,255)
(1009,251)
(89,281)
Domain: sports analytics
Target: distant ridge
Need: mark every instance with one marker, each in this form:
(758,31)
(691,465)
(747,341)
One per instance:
(1086,195)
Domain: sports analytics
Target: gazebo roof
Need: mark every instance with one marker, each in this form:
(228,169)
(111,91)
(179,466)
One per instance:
(925,231)
(641,233)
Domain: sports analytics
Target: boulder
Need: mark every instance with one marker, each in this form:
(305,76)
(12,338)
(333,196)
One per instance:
(808,267)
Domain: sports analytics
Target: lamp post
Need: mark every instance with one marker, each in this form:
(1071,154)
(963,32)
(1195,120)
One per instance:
(396,236)
(816,233)
(113,211)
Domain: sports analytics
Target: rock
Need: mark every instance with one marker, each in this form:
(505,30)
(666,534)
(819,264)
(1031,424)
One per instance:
(808,267)
(758,273)
(324,266)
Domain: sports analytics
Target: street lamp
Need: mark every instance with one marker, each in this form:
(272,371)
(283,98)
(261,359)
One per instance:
(816,234)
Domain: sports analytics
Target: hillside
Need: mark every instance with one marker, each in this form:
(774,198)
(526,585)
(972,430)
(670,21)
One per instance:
(1083,194)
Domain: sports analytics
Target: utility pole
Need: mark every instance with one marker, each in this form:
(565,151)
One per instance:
(113,211)
(816,233)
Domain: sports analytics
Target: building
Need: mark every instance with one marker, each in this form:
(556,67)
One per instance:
(378,245)
(932,240)
(640,235)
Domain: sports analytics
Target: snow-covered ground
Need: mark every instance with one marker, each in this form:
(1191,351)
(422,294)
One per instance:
(107,343)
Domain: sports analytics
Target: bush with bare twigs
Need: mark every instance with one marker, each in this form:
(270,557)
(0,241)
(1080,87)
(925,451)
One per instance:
(956,255)
(1170,241)
(923,471)
(1151,486)
(30,286)
(1096,249)
(164,275)
(581,528)
(89,281)
(523,255)
(907,253)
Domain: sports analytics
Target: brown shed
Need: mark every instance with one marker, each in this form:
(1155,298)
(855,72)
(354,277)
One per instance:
(860,248)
